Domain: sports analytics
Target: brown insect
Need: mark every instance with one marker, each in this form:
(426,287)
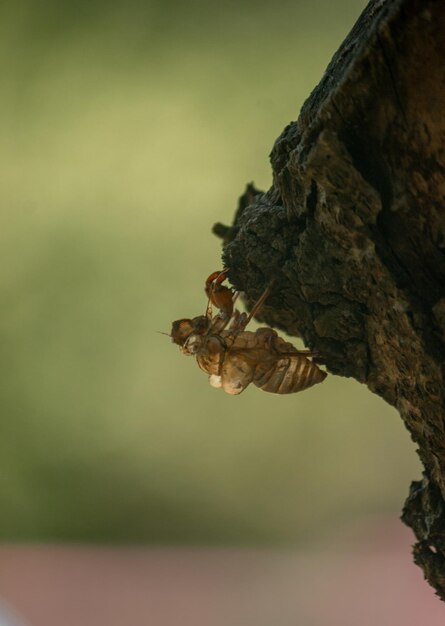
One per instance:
(234,357)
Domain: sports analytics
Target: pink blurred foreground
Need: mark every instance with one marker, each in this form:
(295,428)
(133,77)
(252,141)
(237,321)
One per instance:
(364,576)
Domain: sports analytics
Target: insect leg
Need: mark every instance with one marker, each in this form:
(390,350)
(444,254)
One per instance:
(219,295)
(213,282)
(258,304)
(300,353)
(209,309)
(209,282)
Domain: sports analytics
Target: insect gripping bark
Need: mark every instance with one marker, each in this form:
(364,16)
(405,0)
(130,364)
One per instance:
(234,357)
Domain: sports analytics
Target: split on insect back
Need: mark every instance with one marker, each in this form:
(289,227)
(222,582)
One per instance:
(234,357)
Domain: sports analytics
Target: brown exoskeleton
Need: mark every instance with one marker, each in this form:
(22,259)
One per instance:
(234,357)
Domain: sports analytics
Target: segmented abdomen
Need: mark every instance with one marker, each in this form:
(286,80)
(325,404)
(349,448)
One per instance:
(289,374)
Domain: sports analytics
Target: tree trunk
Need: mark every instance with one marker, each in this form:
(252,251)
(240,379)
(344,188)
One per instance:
(353,230)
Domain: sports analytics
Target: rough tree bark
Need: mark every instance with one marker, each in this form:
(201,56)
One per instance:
(353,230)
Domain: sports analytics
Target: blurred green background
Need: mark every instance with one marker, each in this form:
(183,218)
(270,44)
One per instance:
(128,129)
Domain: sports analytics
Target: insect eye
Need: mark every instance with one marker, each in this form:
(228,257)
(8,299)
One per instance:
(192,344)
(181,329)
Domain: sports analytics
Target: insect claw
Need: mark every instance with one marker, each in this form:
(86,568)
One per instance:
(219,295)
(259,303)
(215,279)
